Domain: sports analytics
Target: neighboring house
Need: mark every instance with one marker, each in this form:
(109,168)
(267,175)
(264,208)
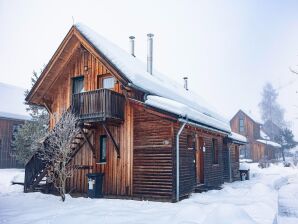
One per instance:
(134,123)
(259,144)
(12,115)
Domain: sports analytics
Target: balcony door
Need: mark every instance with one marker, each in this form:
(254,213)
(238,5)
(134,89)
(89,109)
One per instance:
(78,85)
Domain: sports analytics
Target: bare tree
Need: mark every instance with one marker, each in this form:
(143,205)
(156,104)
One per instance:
(57,151)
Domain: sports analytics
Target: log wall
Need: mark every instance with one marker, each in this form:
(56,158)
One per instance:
(6,136)
(153,159)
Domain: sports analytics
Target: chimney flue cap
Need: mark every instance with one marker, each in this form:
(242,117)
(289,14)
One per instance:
(150,35)
(131,37)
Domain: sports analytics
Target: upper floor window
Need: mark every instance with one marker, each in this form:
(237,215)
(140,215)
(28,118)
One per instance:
(241,125)
(78,84)
(108,82)
(214,151)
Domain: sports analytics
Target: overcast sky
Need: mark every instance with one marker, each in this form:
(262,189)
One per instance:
(228,49)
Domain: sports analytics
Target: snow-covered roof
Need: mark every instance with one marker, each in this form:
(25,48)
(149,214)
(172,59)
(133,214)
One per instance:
(171,95)
(243,166)
(253,116)
(266,142)
(237,137)
(12,102)
(13,116)
(264,135)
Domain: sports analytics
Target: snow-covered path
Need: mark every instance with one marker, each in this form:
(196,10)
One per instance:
(254,201)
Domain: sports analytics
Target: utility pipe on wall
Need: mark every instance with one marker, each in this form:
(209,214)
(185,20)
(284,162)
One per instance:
(178,161)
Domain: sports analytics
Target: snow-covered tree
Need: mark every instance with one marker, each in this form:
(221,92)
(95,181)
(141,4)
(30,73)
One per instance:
(288,141)
(57,150)
(270,108)
(28,134)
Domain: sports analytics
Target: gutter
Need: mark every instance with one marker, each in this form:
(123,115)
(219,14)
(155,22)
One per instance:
(203,126)
(184,122)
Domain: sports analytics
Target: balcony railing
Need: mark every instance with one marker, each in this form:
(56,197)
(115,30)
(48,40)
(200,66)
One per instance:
(99,105)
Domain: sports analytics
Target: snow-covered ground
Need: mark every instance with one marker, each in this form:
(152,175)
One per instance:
(271,196)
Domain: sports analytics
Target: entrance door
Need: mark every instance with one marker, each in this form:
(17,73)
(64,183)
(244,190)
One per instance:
(200,160)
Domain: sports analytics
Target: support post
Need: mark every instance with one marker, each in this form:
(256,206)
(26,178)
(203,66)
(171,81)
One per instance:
(113,140)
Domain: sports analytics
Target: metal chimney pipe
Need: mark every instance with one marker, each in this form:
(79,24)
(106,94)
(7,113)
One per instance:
(149,52)
(132,45)
(185,83)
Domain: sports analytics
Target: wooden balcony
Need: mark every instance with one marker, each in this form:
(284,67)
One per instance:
(99,105)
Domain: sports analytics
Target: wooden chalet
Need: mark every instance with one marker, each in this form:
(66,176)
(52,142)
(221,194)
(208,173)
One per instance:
(149,136)
(259,146)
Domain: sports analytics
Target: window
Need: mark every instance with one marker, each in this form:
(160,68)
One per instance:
(241,125)
(103,149)
(190,142)
(108,83)
(0,144)
(78,84)
(214,151)
(14,132)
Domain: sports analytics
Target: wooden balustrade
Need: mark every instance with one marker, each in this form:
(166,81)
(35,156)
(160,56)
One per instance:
(99,105)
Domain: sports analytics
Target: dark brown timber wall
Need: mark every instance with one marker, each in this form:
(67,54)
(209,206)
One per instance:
(152,162)
(7,160)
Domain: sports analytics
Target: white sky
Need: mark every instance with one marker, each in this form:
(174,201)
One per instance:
(228,49)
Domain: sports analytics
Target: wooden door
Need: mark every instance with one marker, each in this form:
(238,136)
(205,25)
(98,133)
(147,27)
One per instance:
(200,160)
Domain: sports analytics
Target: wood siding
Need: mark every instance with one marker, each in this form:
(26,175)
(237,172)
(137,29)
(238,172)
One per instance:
(253,150)
(7,160)
(117,172)
(153,157)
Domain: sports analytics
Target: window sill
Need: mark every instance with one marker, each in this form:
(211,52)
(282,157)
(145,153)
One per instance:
(103,163)
(215,164)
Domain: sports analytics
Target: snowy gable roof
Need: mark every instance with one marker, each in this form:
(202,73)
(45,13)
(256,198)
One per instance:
(252,116)
(187,103)
(12,102)
(7,115)
(266,142)
(237,137)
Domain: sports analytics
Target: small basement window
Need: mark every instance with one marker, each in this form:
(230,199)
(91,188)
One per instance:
(214,151)
(108,82)
(102,149)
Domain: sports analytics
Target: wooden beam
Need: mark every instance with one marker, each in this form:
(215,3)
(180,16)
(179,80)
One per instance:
(113,140)
(47,105)
(88,141)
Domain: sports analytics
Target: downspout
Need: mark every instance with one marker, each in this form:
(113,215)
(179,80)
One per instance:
(177,159)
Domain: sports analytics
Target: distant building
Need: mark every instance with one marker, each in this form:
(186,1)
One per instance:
(259,144)
(12,99)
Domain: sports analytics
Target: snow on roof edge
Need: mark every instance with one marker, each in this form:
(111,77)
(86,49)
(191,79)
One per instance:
(238,137)
(14,116)
(266,142)
(185,111)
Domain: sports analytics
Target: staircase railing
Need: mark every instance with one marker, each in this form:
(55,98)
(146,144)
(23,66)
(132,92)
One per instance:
(32,170)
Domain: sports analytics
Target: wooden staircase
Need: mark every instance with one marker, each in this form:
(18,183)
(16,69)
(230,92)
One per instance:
(37,170)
